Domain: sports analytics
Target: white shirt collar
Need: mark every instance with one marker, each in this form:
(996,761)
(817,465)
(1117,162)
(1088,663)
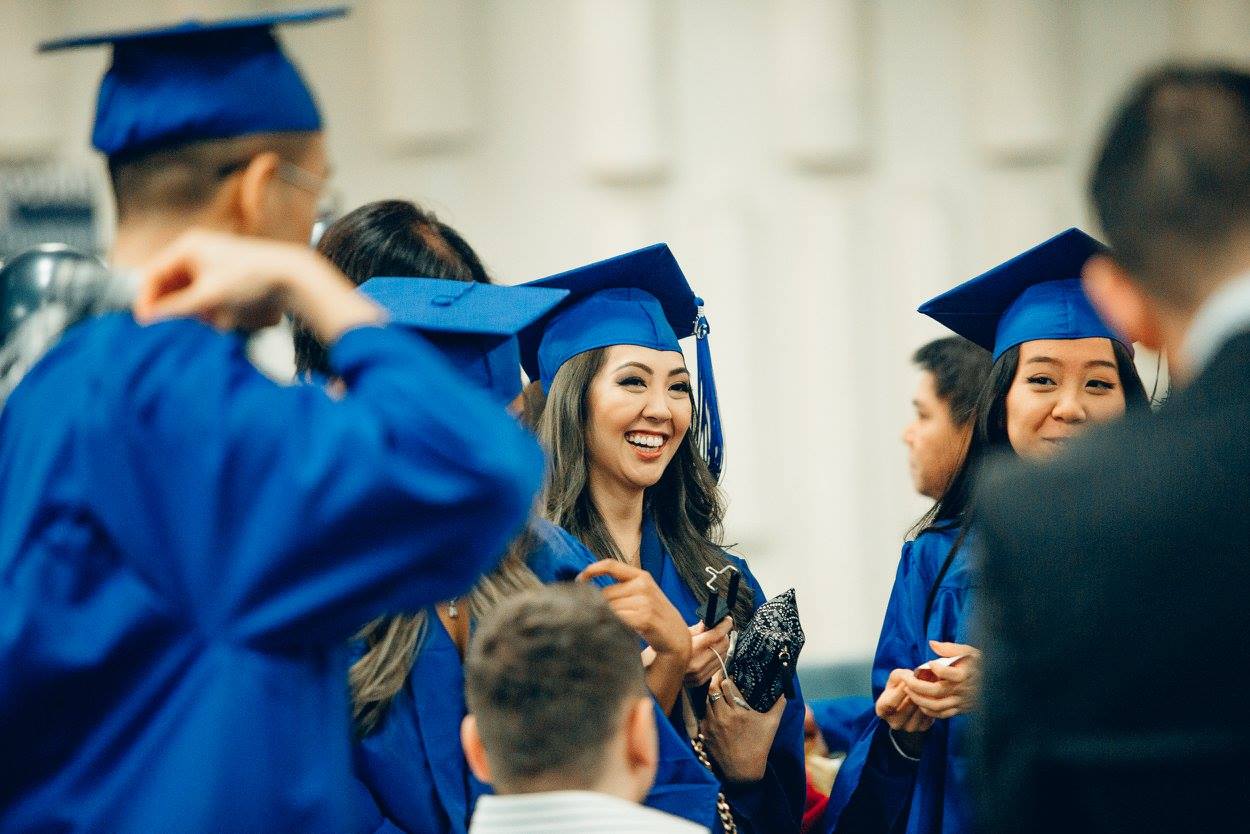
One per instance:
(569,811)
(1221,317)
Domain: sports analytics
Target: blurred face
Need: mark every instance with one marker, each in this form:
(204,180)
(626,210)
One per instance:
(1061,387)
(639,412)
(935,445)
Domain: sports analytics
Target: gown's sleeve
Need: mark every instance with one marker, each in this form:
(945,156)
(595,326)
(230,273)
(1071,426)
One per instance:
(775,802)
(875,783)
(841,721)
(276,514)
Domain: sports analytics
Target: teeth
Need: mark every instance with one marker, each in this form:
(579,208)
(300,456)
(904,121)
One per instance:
(647,441)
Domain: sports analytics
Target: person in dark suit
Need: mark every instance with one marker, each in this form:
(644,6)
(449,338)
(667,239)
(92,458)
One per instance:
(1114,580)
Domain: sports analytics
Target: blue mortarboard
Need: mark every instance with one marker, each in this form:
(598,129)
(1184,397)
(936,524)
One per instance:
(639,298)
(199,80)
(1035,295)
(474,325)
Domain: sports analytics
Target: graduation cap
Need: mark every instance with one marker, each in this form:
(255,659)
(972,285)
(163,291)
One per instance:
(198,80)
(1035,295)
(473,325)
(639,298)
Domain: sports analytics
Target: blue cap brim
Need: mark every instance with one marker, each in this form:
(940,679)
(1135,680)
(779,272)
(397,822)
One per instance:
(473,325)
(1035,295)
(194,27)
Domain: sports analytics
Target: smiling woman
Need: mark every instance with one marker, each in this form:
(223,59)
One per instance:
(1058,369)
(632,475)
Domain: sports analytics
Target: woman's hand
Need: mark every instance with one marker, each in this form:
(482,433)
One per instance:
(233,282)
(895,707)
(738,737)
(907,723)
(705,645)
(955,690)
(642,606)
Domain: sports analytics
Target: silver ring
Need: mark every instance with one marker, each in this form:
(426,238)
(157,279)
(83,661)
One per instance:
(740,702)
(714,697)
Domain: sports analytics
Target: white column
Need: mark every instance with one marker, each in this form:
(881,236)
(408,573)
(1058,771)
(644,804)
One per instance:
(818,79)
(1019,81)
(620,113)
(423,71)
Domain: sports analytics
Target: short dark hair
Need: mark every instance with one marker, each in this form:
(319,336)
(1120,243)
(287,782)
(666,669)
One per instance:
(1171,183)
(185,177)
(959,369)
(548,676)
(389,237)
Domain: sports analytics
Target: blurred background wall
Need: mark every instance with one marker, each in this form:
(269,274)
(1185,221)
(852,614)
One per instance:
(818,166)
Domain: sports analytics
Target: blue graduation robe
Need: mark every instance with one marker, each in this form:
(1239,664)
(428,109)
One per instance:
(187,546)
(842,720)
(775,802)
(877,789)
(414,766)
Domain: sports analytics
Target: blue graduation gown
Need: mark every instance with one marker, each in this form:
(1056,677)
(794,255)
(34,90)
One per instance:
(877,789)
(775,802)
(842,720)
(414,766)
(186,547)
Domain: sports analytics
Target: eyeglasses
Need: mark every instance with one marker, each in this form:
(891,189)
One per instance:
(302,178)
(288,172)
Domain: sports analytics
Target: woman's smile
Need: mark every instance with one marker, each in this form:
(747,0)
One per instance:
(647,445)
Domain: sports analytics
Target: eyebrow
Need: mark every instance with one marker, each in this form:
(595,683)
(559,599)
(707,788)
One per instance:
(639,365)
(1093,363)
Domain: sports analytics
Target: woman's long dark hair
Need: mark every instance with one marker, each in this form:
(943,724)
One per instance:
(685,503)
(399,238)
(388,237)
(989,438)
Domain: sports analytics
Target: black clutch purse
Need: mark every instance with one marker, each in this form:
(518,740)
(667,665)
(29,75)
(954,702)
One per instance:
(764,657)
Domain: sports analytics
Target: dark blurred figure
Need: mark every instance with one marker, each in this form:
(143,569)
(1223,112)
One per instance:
(1115,582)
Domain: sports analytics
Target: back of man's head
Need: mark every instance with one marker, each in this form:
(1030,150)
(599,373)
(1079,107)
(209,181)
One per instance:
(556,692)
(185,179)
(1171,183)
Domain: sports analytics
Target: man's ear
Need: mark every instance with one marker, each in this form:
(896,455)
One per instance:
(474,752)
(641,742)
(1121,302)
(251,196)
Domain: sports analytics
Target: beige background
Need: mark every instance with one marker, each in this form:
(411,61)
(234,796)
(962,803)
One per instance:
(818,166)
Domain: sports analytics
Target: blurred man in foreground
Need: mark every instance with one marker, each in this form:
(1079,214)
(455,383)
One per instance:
(1115,581)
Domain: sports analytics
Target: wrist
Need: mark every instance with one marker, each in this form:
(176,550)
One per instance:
(319,295)
(677,655)
(907,745)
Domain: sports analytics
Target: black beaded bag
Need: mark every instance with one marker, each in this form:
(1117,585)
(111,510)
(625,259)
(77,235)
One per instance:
(766,652)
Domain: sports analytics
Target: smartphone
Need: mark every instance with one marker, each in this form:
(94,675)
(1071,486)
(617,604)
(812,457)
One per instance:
(718,608)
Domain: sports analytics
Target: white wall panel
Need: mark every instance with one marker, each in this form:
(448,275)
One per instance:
(1215,29)
(423,71)
(1014,57)
(818,79)
(620,115)
(28,127)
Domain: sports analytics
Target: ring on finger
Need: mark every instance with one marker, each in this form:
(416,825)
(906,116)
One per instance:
(714,697)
